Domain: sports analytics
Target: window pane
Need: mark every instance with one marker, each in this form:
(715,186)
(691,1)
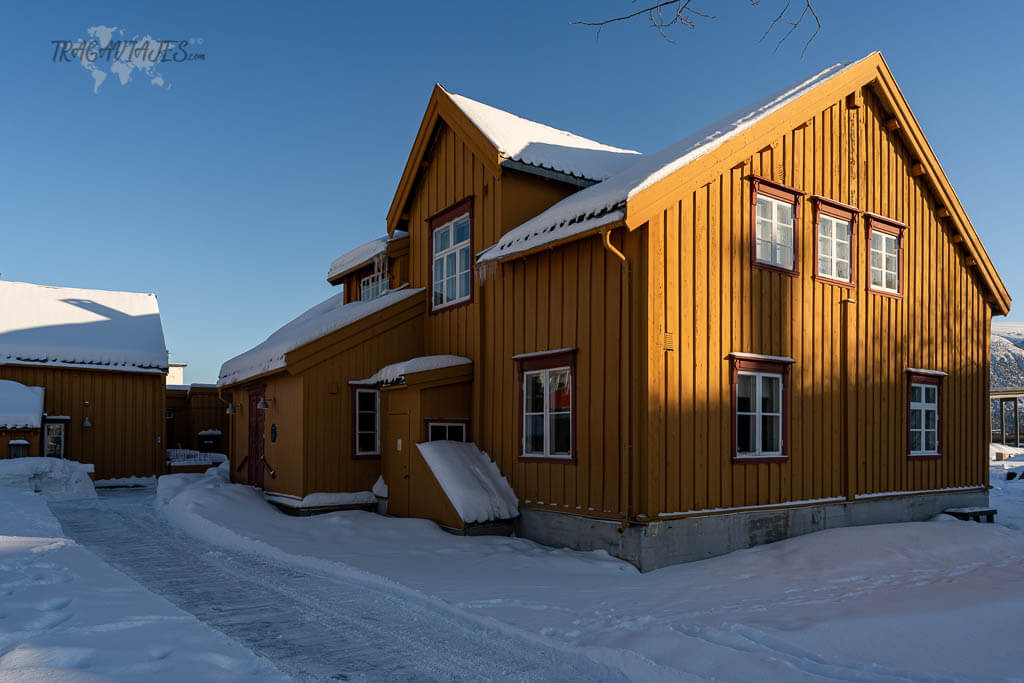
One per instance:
(461,230)
(771,435)
(438,433)
(367,401)
(930,419)
(843,250)
(456,432)
(784,257)
(915,393)
(367,422)
(876,240)
(890,263)
(559,397)
(534,392)
(876,277)
(561,438)
(930,442)
(915,441)
(464,284)
(771,394)
(764,207)
(463,259)
(449,289)
(367,443)
(764,230)
(929,395)
(450,264)
(890,245)
(784,214)
(824,266)
(915,419)
(784,236)
(745,393)
(441,240)
(890,281)
(764,251)
(825,228)
(876,259)
(744,433)
(843,270)
(534,426)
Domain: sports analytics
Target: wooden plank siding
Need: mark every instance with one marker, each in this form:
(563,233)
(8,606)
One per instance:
(705,292)
(126,410)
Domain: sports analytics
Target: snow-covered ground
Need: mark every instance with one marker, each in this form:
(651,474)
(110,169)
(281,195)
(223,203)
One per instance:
(65,615)
(919,601)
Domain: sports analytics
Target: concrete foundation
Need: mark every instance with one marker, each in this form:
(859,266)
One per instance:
(660,543)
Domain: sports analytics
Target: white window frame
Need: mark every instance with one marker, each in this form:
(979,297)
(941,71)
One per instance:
(545,375)
(442,257)
(883,270)
(376,285)
(833,258)
(924,407)
(447,425)
(758,413)
(376,421)
(774,225)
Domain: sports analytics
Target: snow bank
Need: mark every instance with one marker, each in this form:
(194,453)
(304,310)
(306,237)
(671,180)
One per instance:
(535,144)
(471,481)
(124,481)
(595,202)
(390,374)
(52,478)
(326,317)
(91,327)
(68,616)
(320,500)
(21,407)
(380,487)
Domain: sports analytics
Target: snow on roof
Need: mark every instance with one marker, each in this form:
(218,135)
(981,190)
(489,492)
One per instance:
(597,201)
(363,254)
(535,144)
(21,407)
(471,481)
(64,326)
(389,374)
(319,321)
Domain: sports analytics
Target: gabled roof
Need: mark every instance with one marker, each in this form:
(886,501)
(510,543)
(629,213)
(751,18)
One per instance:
(21,407)
(630,195)
(319,321)
(360,256)
(499,138)
(86,328)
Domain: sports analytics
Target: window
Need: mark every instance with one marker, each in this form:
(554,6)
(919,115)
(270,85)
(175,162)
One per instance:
(373,286)
(546,383)
(923,420)
(759,400)
(367,422)
(450,256)
(835,243)
(886,255)
(775,219)
(446,431)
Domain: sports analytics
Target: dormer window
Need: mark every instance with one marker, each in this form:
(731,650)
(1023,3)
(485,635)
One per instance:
(451,260)
(373,286)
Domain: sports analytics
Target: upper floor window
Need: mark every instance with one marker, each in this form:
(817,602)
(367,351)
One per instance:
(924,406)
(759,406)
(546,393)
(373,286)
(775,221)
(886,255)
(451,260)
(835,245)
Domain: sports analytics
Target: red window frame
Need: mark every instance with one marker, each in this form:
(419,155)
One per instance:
(547,360)
(936,381)
(740,362)
(434,222)
(894,228)
(784,193)
(823,206)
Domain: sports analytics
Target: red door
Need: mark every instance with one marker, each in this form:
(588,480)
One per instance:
(255,439)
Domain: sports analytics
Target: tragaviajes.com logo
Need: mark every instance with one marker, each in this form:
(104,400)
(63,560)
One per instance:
(106,52)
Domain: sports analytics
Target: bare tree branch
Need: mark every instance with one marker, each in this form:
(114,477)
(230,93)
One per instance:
(667,13)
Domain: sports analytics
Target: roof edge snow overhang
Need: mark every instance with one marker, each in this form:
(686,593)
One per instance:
(550,174)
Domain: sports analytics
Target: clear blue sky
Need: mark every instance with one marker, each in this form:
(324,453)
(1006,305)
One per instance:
(229,193)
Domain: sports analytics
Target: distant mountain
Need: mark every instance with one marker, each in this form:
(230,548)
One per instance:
(1007,355)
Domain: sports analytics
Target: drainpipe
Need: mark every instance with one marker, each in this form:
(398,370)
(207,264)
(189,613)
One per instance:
(231,426)
(627,313)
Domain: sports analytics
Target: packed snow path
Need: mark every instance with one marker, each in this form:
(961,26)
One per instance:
(310,625)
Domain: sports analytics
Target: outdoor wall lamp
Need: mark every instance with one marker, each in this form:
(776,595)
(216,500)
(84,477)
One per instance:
(264,404)
(86,422)
(233,408)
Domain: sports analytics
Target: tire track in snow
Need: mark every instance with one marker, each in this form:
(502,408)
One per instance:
(310,625)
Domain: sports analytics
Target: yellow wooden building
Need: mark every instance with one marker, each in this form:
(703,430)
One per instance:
(100,359)
(776,325)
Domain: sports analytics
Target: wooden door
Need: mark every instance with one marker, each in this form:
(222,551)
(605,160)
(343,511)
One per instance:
(255,439)
(397,445)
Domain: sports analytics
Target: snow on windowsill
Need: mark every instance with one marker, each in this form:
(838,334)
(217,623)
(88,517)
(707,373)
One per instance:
(923,371)
(758,356)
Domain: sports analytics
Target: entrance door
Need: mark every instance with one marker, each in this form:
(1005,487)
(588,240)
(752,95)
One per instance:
(255,439)
(55,436)
(396,463)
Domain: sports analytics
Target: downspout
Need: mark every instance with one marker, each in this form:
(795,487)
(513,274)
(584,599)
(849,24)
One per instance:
(231,426)
(628,315)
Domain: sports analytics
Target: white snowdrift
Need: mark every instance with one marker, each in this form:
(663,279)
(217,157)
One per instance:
(396,371)
(326,317)
(80,327)
(323,499)
(471,481)
(68,616)
(595,202)
(52,478)
(21,407)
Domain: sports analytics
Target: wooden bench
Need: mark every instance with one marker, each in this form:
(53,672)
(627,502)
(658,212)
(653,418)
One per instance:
(973,513)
